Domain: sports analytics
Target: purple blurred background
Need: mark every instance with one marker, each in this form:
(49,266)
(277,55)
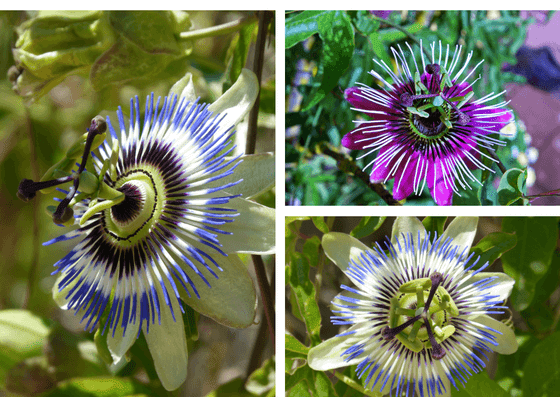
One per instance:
(537,102)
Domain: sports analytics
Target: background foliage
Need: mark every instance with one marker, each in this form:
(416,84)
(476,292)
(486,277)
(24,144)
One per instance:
(43,349)
(322,62)
(527,249)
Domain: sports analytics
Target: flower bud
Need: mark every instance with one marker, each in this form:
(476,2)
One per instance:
(111,46)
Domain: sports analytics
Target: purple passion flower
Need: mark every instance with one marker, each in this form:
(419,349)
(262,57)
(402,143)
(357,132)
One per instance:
(424,128)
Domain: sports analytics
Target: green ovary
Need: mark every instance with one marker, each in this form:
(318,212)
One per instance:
(409,302)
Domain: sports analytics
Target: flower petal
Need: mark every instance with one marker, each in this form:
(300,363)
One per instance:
(462,230)
(238,100)
(231,300)
(501,286)
(184,88)
(168,344)
(341,248)
(405,226)
(119,344)
(328,354)
(507,344)
(257,172)
(252,231)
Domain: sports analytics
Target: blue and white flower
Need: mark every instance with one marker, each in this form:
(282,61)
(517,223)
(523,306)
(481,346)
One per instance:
(419,314)
(170,231)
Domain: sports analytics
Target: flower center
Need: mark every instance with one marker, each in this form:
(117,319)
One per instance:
(420,315)
(431,126)
(131,220)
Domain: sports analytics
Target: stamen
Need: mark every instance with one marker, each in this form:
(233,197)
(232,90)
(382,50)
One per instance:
(437,351)
(407,99)
(436,278)
(389,333)
(463,118)
(433,68)
(27,188)
(98,126)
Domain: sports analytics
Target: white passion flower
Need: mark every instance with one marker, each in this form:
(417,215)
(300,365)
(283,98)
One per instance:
(170,213)
(419,317)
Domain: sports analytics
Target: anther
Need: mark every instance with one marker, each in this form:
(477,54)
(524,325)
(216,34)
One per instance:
(436,278)
(432,68)
(437,351)
(389,333)
(463,118)
(407,99)
(27,188)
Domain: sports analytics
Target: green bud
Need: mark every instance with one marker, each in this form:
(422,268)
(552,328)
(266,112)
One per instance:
(102,348)
(89,183)
(112,47)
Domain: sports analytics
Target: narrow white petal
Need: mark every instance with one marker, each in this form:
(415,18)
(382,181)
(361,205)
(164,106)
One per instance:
(231,300)
(168,345)
(341,248)
(256,171)
(238,100)
(507,344)
(252,231)
(407,225)
(328,354)
(462,230)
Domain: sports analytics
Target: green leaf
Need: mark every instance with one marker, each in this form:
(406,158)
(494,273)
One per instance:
(356,386)
(320,224)
(311,249)
(434,224)
(261,381)
(323,385)
(238,50)
(367,226)
(379,48)
(299,376)
(512,187)
(98,387)
(541,370)
(302,26)
(468,196)
(304,292)
(480,385)
(22,335)
(233,388)
(301,389)
(337,34)
(365,23)
(294,345)
(491,247)
(529,260)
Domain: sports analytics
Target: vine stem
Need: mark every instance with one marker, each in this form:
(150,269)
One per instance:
(500,165)
(348,166)
(406,32)
(219,30)
(265,17)
(35,231)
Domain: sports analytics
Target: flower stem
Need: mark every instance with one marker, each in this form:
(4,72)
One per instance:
(35,243)
(266,295)
(265,17)
(347,165)
(492,154)
(400,28)
(219,30)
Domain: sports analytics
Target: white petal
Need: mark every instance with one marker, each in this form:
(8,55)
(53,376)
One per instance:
(168,344)
(341,248)
(327,355)
(238,100)
(231,300)
(257,172)
(119,344)
(500,286)
(405,226)
(184,88)
(462,230)
(252,231)
(507,344)
(60,296)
